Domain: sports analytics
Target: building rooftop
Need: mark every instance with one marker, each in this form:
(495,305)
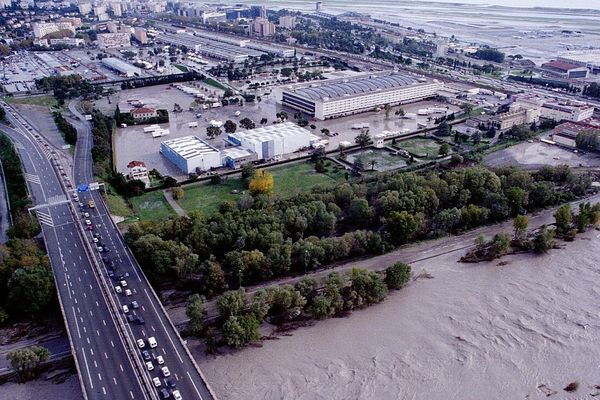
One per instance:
(235,152)
(354,86)
(136,164)
(268,132)
(560,65)
(143,110)
(189,147)
(120,65)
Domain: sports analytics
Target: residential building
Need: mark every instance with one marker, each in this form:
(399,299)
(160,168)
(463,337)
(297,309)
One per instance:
(142,113)
(191,154)
(85,8)
(41,29)
(287,22)
(138,170)
(114,40)
(263,27)
(565,70)
(567,111)
(272,141)
(75,42)
(258,12)
(515,117)
(140,35)
(355,94)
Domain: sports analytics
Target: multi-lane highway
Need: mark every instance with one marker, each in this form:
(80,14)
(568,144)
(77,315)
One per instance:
(104,341)
(105,367)
(119,262)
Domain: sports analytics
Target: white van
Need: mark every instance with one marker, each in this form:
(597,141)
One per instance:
(152,342)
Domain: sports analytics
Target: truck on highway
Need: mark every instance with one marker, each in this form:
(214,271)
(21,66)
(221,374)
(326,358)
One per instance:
(91,204)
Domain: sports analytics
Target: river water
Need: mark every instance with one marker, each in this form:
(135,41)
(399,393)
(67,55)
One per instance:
(518,331)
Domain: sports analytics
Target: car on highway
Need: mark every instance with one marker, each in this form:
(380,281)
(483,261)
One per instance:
(130,318)
(149,365)
(95,240)
(90,227)
(128,292)
(123,283)
(170,382)
(86,215)
(177,395)
(140,321)
(165,393)
(100,249)
(165,371)
(160,360)
(152,342)
(146,355)
(88,222)
(141,344)
(81,205)
(118,289)
(125,309)
(156,381)
(135,305)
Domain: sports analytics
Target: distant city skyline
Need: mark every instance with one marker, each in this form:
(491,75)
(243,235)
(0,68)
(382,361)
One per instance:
(304,4)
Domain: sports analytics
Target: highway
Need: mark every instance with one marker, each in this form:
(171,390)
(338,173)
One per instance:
(183,369)
(104,363)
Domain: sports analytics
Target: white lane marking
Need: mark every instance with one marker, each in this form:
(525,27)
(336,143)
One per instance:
(194,385)
(87,368)
(103,390)
(115,380)
(76,324)
(121,366)
(106,356)
(165,330)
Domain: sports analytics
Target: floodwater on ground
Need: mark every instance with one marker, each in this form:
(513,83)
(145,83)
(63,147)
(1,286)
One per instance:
(523,330)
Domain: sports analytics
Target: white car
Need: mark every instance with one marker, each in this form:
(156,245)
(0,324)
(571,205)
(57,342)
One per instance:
(152,342)
(165,371)
(124,283)
(141,344)
(128,292)
(125,309)
(80,204)
(88,222)
(157,381)
(100,249)
(95,240)
(118,289)
(149,365)
(160,360)
(87,215)
(177,395)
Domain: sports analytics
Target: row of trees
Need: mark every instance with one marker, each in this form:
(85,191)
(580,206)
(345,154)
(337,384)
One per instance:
(68,131)
(23,225)
(260,237)
(241,315)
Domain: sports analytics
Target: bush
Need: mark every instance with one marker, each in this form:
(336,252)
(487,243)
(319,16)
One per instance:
(397,275)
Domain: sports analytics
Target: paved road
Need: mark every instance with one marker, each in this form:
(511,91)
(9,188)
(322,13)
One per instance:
(4,208)
(177,358)
(57,344)
(106,370)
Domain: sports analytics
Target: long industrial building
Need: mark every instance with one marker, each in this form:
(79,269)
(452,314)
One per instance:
(346,96)
(190,153)
(271,141)
(121,67)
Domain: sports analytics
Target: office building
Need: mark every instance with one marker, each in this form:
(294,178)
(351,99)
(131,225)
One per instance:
(258,12)
(567,111)
(272,141)
(85,8)
(515,117)
(41,29)
(114,40)
(191,154)
(75,42)
(351,95)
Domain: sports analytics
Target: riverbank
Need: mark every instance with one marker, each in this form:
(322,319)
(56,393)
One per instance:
(526,328)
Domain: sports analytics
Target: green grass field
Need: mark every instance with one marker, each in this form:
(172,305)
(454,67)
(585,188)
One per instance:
(419,147)
(118,206)
(152,206)
(215,83)
(288,180)
(48,101)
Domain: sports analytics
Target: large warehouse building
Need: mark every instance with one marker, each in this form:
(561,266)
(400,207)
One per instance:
(273,140)
(191,153)
(347,96)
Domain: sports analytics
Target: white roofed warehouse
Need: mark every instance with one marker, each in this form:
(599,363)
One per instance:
(273,140)
(346,96)
(191,153)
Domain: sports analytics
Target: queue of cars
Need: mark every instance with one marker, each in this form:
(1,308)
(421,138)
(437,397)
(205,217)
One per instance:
(122,289)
